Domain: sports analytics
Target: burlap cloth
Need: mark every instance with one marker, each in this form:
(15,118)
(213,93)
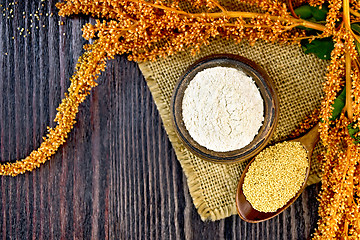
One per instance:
(298,79)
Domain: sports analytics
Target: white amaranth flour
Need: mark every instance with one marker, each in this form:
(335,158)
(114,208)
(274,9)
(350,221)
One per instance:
(222,109)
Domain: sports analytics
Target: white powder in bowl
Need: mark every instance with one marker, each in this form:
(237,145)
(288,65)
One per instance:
(222,109)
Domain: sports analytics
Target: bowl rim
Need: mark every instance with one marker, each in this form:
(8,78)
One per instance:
(266,88)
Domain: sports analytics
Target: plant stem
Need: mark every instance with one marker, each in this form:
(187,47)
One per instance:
(231,14)
(346,14)
(346,18)
(218,5)
(355,13)
(251,26)
(236,14)
(348,103)
(289,3)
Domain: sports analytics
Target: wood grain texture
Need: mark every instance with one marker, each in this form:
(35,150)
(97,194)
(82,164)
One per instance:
(117,176)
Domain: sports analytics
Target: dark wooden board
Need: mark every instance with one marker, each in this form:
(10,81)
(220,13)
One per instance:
(117,176)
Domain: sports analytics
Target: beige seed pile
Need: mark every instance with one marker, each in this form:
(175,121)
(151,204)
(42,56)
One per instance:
(275,176)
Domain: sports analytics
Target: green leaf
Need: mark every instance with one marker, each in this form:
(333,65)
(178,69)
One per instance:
(304,12)
(311,13)
(319,14)
(355,27)
(338,105)
(320,47)
(357,45)
(353,131)
(312,19)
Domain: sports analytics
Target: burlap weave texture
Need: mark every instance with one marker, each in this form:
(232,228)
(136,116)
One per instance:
(298,79)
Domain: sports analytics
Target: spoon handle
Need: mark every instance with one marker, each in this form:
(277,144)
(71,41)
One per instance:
(310,139)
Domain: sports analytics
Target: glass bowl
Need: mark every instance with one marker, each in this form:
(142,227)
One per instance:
(267,91)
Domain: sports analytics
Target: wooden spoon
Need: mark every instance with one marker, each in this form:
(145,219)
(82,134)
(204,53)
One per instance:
(244,208)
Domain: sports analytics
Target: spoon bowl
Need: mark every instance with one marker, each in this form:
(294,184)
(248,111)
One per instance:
(246,210)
